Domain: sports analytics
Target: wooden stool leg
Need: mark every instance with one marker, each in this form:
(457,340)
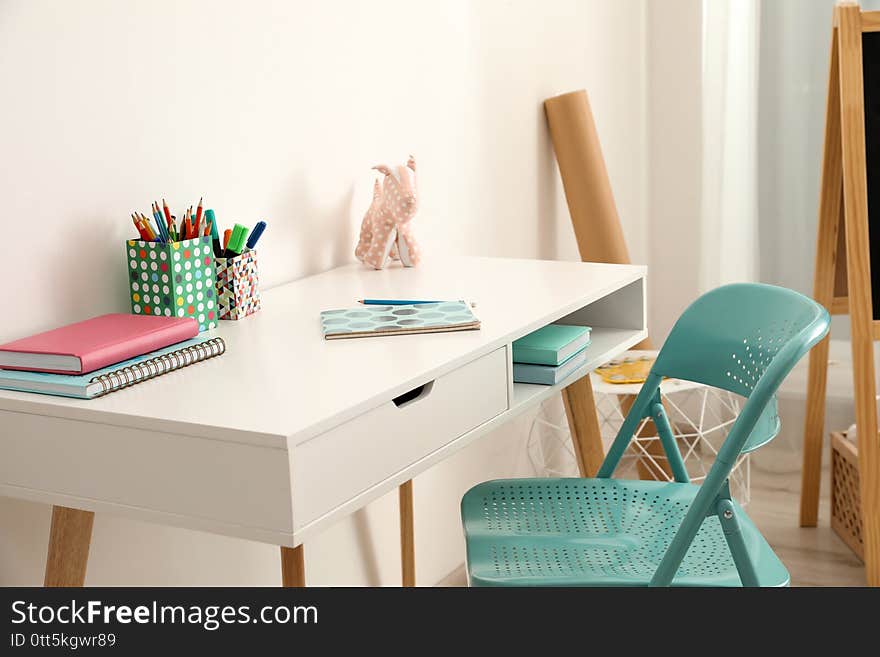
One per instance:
(293,567)
(580,409)
(69,540)
(407,534)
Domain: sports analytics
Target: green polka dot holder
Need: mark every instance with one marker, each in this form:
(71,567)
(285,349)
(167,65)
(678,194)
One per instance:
(176,279)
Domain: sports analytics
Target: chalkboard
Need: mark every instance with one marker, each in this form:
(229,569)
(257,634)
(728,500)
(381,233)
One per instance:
(871,78)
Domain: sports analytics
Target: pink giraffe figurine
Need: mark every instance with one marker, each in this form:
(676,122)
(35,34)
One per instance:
(386,230)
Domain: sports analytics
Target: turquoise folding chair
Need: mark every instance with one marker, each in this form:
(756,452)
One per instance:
(744,338)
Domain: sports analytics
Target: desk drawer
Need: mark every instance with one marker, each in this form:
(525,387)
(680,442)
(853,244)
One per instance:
(336,466)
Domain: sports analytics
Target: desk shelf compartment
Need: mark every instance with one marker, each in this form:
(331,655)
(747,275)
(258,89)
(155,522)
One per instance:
(618,324)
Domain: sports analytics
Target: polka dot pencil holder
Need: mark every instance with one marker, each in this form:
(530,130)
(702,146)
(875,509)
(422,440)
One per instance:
(238,285)
(174,279)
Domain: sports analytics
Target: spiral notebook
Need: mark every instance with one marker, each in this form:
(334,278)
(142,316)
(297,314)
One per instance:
(115,377)
(376,320)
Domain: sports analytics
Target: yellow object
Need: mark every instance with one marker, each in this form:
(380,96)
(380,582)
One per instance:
(628,370)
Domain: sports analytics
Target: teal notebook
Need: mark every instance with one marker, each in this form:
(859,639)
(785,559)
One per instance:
(112,378)
(551,344)
(367,320)
(548,375)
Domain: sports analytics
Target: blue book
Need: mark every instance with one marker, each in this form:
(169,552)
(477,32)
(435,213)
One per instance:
(549,375)
(112,378)
(551,345)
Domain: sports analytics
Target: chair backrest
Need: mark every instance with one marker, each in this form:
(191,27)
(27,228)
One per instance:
(744,338)
(740,335)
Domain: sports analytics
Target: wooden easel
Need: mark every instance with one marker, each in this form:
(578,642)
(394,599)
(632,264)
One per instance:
(842,280)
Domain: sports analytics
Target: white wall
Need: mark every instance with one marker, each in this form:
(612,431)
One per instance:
(674,47)
(276,110)
(795,38)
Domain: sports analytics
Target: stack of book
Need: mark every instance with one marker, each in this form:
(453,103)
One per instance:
(550,354)
(103,354)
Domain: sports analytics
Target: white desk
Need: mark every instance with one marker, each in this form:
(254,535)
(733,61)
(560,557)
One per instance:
(287,432)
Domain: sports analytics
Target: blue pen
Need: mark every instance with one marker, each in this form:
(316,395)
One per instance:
(255,234)
(394,302)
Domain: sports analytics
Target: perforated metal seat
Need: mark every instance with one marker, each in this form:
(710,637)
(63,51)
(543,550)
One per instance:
(597,532)
(744,338)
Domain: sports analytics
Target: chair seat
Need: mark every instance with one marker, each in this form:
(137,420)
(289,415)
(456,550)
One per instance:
(597,532)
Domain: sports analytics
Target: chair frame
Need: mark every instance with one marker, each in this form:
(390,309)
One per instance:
(713,497)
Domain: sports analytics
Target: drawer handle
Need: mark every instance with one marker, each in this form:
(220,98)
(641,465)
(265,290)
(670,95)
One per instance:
(412,396)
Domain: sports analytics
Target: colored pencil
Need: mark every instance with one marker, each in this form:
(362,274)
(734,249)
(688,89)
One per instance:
(149,229)
(160,218)
(141,224)
(160,222)
(169,222)
(140,229)
(198,221)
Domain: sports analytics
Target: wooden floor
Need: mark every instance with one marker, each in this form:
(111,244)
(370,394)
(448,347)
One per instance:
(814,557)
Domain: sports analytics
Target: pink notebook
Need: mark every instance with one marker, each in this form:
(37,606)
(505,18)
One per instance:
(95,343)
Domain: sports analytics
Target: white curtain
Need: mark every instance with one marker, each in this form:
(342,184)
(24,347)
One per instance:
(729,220)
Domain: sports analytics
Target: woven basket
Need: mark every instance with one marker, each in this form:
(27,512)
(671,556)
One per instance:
(846,507)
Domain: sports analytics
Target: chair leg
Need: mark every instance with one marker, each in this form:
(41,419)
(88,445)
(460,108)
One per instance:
(733,536)
(69,540)
(293,567)
(580,409)
(667,440)
(407,534)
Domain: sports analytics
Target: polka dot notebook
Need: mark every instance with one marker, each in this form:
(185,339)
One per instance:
(173,280)
(367,321)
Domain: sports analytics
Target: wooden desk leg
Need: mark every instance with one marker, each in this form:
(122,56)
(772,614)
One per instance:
(69,540)
(293,567)
(407,534)
(580,408)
